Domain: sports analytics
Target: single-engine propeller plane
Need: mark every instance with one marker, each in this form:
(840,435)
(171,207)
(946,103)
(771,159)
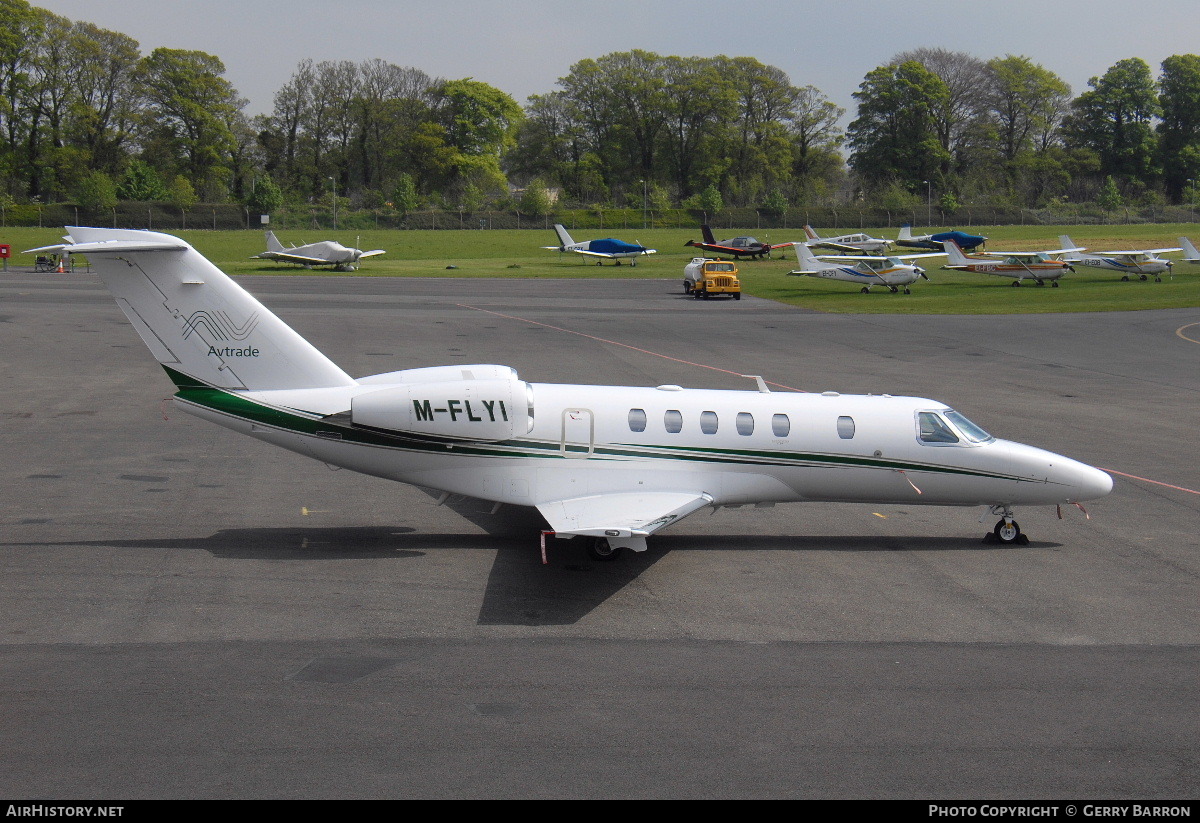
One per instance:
(607,249)
(737,247)
(965,241)
(867,270)
(1039,266)
(613,464)
(1133,265)
(858,243)
(325,253)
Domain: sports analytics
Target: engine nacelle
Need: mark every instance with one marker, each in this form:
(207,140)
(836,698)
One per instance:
(488,410)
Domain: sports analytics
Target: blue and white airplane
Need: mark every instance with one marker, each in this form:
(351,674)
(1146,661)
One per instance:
(867,271)
(607,249)
(964,241)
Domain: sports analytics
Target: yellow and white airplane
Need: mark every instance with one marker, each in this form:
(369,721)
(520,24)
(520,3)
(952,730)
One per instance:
(1137,264)
(1039,266)
(612,464)
(867,270)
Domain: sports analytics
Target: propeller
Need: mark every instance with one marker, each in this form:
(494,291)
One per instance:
(921,272)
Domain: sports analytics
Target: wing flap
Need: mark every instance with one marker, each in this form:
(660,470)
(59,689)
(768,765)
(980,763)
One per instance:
(624,514)
(294,258)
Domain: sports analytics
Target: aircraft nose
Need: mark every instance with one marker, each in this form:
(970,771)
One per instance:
(1089,483)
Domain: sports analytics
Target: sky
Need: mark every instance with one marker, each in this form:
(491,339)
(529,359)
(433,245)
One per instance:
(523,47)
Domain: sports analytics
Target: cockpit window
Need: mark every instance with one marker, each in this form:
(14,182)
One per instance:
(934,429)
(968,429)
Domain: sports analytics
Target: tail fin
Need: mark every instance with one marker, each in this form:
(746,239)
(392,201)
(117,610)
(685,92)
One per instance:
(1189,250)
(905,232)
(811,233)
(807,259)
(564,239)
(197,322)
(707,234)
(273,243)
(1066,242)
(954,253)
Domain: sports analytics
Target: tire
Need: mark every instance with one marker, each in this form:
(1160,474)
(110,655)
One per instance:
(1016,283)
(737,295)
(1142,278)
(687,287)
(1054,284)
(598,548)
(1006,532)
(865,290)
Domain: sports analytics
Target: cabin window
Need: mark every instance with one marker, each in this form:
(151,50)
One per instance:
(845,427)
(781,426)
(934,429)
(673,421)
(745,423)
(708,422)
(637,420)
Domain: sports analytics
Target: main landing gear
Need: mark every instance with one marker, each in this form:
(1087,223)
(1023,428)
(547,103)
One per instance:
(1142,277)
(598,548)
(1007,530)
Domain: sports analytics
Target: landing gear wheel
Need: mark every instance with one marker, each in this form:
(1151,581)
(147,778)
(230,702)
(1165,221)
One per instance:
(1010,533)
(1016,283)
(1157,279)
(1142,278)
(906,290)
(598,548)
(1040,282)
(865,290)
(894,289)
(1125,278)
(1054,284)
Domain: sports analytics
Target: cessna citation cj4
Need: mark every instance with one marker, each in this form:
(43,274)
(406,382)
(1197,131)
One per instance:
(612,464)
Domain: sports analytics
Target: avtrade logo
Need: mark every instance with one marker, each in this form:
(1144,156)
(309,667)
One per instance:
(217,325)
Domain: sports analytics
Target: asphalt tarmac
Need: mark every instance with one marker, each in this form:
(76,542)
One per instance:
(185,613)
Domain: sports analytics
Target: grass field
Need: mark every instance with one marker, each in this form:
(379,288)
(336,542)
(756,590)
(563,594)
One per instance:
(518,253)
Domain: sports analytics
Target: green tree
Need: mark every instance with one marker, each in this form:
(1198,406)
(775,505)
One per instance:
(535,200)
(1109,196)
(1179,131)
(894,136)
(1114,120)
(181,193)
(265,198)
(141,182)
(96,192)
(404,195)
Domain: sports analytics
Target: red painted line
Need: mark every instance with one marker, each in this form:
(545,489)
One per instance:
(1148,480)
(615,343)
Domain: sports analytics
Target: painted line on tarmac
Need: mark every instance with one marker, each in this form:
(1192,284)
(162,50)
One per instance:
(1148,480)
(623,345)
(1179,332)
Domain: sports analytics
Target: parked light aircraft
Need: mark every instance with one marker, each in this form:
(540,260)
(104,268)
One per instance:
(1037,266)
(325,253)
(1137,264)
(867,271)
(606,249)
(1189,251)
(850,243)
(737,247)
(965,241)
(613,464)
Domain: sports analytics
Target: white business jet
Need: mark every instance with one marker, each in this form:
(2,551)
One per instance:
(613,464)
(867,271)
(325,253)
(1137,264)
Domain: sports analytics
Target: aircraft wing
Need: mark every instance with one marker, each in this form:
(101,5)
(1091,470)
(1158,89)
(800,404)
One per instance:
(606,255)
(1136,253)
(916,256)
(621,515)
(829,244)
(372,253)
(871,257)
(294,258)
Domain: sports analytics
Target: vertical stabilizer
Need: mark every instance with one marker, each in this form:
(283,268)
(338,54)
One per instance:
(706,232)
(1189,251)
(905,232)
(564,239)
(273,243)
(954,253)
(1068,243)
(196,320)
(807,259)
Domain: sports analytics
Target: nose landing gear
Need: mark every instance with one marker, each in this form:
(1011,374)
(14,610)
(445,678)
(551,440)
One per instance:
(1007,530)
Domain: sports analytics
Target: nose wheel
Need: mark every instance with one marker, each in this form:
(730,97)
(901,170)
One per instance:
(600,549)
(1007,530)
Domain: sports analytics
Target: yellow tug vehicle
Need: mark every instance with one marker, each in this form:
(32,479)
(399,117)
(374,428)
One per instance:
(704,278)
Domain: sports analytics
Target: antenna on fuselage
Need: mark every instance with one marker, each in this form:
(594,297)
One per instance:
(762,384)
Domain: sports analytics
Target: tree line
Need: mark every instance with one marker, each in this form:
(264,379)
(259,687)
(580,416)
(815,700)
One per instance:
(86,118)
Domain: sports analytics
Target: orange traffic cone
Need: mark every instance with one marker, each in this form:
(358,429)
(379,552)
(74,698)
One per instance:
(60,269)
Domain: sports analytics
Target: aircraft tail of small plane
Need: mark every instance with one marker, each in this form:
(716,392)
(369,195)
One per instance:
(807,259)
(200,325)
(954,254)
(706,232)
(273,243)
(564,238)
(1190,254)
(905,232)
